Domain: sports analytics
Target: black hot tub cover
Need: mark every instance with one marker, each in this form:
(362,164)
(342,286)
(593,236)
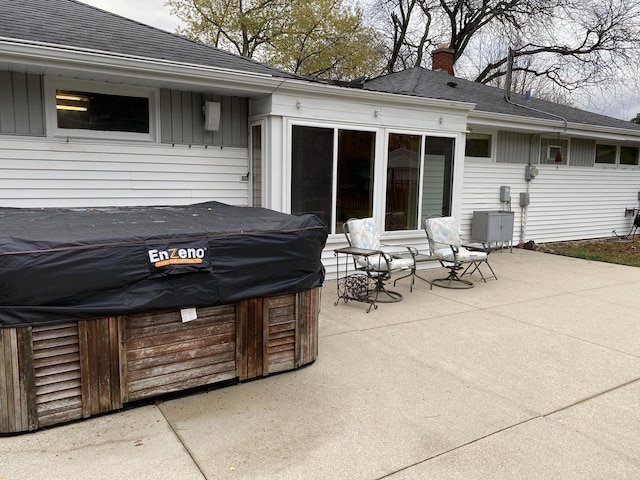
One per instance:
(69,263)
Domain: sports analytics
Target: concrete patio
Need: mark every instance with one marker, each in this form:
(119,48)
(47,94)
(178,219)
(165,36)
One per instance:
(533,375)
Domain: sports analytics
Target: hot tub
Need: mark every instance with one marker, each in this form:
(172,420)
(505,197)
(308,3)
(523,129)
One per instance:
(104,306)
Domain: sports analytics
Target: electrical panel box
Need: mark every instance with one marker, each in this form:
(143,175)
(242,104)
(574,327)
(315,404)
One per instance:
(505,193)
(524,199)
(530,172)
(492,226)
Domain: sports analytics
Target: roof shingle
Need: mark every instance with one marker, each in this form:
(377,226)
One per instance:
(440,85)
(75,24)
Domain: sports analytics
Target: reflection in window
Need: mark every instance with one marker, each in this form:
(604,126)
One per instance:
(478,145)
(554,151)
(256,165)
(102,112)
(403,175)
(355,175)
(606,154)
(335,181)
(628,156)
(437,184)
(312,171)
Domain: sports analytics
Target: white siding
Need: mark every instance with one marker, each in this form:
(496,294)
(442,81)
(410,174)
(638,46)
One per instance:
(46,173)
(567,203)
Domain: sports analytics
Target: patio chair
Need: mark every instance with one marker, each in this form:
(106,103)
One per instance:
(445,244)
(362,233)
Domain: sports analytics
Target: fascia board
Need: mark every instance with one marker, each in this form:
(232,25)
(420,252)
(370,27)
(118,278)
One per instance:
(49,56)
(300,87)
(542,126)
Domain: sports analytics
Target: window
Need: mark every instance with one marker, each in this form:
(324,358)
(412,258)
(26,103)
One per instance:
(554,151)
(404,204)
(403,180)
(256,165)
(628,156)
(606,154)
(95,110)
(312,174)
(332,176)
(102,112)
(478,145)
(437,183)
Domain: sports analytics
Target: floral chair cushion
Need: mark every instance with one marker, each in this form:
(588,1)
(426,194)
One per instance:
(444,233)
(364,234)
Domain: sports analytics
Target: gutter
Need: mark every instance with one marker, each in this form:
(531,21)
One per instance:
(96,61)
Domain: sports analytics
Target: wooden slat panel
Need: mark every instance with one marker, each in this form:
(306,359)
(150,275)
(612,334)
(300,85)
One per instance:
(58,413)
(68,349)
(186,334)
(183,384)
(307,333)
(57,379)
(60,377)
(186,366)
(143,321)
(168,349)
(171,355)
(250,338)
(217,348)
(55,333)
(168,330)
(99,360)
(52,359)
(280,313)
(6,382)
(27,379)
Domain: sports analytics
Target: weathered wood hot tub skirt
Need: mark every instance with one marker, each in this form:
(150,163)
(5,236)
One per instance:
(250,311)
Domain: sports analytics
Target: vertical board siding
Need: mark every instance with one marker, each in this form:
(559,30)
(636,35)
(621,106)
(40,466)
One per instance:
(182,119)
(308,306)
(250,339)
(21,105)
(515,147)
(99,363)
(583,152)
(567,203)
(44,173)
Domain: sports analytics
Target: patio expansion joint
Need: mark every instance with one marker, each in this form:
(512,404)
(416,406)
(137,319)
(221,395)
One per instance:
(180,440)
(592,397)
(544,416)
(458,447)
(573,337)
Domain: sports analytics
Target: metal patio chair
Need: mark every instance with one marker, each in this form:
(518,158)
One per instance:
(362,233)
(445,244)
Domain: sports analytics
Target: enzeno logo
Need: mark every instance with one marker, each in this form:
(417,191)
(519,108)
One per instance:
(176,256)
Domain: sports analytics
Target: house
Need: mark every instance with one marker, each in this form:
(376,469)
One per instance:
(96,110)
(588,173)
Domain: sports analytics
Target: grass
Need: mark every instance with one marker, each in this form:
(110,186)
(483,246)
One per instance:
(610,250)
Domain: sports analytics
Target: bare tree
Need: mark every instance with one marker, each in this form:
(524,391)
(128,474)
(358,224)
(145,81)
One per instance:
(563,43)
(406,26)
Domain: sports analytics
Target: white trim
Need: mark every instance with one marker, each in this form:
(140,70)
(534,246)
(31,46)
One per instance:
(508,122)
(51,122)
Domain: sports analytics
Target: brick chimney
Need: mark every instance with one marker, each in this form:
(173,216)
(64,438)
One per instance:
(442,58)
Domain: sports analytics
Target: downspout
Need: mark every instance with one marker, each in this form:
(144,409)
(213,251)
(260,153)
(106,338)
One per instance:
(507,97)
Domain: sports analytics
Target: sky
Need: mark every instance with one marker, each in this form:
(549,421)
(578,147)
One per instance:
(151,12)
(154,13)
